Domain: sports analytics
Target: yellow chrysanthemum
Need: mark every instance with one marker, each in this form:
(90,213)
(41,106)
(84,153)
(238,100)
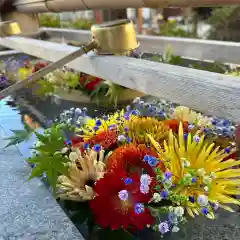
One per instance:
(185,114)
(84,170)
(206,160)
(139,127)
(111,120)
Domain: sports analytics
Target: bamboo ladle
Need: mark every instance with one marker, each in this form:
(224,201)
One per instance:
(116,37)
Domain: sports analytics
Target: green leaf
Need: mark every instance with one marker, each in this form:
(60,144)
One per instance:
(119,234)
(19,136)
(49,160)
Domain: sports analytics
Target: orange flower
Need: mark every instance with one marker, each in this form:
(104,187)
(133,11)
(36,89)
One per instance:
(174,125)
(129,158)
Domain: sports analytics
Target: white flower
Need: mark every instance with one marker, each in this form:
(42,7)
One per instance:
(145,179)
(206,189)
(201,172)
(207,180)
(38,144)
(144,188)
(175,229)
(202,200)
(64,150)
(121,138)
(73,156)
(179,211)
(156,197)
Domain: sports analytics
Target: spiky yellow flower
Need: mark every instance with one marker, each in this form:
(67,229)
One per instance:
(139,127)
(185,114)
(196,159)
(84,170)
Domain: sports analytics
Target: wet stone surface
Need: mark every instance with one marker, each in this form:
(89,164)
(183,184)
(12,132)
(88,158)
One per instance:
(27,209)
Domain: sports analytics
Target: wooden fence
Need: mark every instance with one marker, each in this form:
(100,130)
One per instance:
(211,93)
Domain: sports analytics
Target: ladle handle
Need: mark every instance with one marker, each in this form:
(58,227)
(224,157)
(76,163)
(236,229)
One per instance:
(42,72)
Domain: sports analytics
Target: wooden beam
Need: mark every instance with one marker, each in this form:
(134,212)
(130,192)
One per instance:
(225,52)
(210,93)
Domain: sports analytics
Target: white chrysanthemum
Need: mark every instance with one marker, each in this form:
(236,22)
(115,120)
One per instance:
(82,174)
(182,113)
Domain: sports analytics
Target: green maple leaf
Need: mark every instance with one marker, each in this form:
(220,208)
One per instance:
(20,135)
(49,159)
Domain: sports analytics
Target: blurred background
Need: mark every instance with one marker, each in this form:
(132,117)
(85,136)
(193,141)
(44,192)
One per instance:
(216,23)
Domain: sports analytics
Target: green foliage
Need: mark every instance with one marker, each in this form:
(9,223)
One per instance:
(47,20)
(49,159)
(20,135)
(54,21)
(168,57)
(81,24)
(171,29)
(225,23)
(44,87)
(235,73)
(216,67)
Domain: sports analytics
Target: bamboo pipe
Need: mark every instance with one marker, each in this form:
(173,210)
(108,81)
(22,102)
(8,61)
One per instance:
(35,6)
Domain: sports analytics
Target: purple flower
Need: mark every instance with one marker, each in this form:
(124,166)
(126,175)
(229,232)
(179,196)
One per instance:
(167,175)
(123,195)
(163,227)
(139,208)
(152,161)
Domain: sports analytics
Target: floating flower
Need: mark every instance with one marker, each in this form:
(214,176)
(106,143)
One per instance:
(107,139)
(129,158)
(140,126)
(84,169)
(205,160)
(117,205)
(185,114)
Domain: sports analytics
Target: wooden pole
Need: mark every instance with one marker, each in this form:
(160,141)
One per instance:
(139,20)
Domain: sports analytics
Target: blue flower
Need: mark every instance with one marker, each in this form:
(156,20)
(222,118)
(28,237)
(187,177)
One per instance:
(204,211)
(97,148)
(185,136)
(139,208)
(152,161)
(194,180)
(128,181)
(86,145)
(196,138)
(227,150)
(164,194)
(126,129)
(95,128)
(134,112)
(191,199)
(128,139)
(68,142)
(98,122)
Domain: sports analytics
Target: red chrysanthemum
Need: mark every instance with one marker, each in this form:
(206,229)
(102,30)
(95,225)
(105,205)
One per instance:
(90,82)
(107,139)
(174,125)
(110,211)
(129,158)
(38,66)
